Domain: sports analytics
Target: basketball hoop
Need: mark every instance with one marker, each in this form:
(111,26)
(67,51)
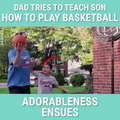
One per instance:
(104,34)
(109,34)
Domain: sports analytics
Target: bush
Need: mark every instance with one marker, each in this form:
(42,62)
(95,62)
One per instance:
(59,77)
(77,80)
(3,75)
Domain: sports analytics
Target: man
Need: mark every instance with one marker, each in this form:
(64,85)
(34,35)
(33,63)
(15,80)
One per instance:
(19,68)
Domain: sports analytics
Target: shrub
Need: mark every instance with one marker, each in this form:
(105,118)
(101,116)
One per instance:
(59,77)
(3,75)
(77,80)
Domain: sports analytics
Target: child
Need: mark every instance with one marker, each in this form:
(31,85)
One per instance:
(46,82)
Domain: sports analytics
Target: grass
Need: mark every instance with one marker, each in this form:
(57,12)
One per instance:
(3,80)
(55,90)
(73,90)
(4,91)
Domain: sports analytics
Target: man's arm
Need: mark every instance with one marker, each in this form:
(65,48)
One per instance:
(19,48)
(17,61)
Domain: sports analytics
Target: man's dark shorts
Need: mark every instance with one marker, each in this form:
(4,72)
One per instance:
(19,90)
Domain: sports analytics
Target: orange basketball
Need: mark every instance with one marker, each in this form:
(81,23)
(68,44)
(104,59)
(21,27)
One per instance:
(19,39)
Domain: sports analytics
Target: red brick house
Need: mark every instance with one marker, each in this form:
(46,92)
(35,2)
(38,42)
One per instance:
(102,66)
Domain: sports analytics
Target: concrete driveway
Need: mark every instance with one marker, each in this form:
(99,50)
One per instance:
(3,85)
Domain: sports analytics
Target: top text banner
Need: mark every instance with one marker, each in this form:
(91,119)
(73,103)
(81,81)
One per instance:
(59,13)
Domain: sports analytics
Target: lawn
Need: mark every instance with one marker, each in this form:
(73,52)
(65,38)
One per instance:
(3,80)
(56,91)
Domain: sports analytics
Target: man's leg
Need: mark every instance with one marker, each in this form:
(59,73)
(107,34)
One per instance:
(25,90)
(14,90)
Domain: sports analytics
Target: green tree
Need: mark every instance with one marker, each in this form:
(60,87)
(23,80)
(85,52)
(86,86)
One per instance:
(87,45)
(76,42)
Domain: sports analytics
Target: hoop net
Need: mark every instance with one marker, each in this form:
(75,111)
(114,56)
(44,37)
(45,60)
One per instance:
(104,34)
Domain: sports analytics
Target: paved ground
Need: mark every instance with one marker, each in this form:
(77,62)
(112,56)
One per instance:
(3,85)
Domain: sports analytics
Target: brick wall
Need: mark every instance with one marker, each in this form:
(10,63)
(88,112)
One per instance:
(102,66)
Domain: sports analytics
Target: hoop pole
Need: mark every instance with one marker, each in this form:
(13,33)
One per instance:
(112,66)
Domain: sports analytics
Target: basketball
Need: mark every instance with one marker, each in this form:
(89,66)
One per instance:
(19,39)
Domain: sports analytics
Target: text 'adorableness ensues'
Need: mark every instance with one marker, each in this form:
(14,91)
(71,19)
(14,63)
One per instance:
(60,106)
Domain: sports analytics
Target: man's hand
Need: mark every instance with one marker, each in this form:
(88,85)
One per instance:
(19,48)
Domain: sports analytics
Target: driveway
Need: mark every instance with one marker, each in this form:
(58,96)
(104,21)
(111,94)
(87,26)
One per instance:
(3,85)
